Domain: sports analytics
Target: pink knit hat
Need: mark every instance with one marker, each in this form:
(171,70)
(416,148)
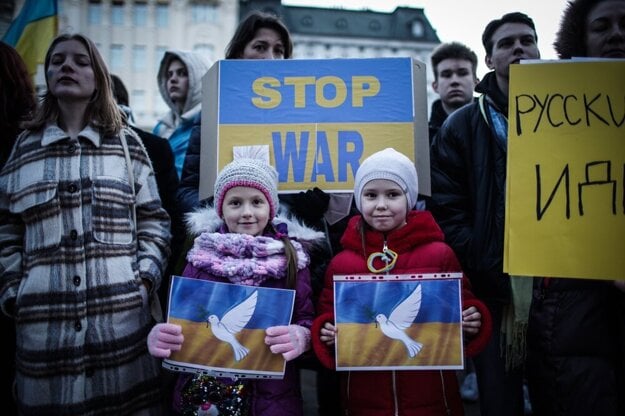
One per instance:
(253,173)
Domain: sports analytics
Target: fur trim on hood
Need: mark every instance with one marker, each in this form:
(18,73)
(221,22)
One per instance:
(206,219)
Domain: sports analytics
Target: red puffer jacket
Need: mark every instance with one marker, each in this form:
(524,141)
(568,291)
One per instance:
(421,248)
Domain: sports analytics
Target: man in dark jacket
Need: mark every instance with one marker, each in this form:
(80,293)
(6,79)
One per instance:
(454,65)
(468,158)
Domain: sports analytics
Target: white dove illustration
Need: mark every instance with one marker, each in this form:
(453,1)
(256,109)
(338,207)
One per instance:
(232,323)
(401,318)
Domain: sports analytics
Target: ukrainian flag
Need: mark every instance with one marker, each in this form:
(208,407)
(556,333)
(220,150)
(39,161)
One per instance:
(32,31)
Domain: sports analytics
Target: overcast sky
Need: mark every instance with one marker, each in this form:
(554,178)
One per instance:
(464,20)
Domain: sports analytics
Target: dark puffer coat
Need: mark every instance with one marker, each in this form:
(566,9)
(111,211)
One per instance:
(576,344)
(468,192)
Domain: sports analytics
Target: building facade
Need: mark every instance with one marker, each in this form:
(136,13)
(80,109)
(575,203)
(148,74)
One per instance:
(133,35)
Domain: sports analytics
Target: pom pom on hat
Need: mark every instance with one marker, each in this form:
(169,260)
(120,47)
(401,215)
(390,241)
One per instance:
(249,172)
(391,165)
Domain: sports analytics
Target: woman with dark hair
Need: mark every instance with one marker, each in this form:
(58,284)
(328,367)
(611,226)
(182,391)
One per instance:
(82,242)
(263,26)
(574,37)
(258,36)
(17,103)
(576,329)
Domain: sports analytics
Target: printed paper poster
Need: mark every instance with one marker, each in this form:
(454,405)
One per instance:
(398,322)
(224,327)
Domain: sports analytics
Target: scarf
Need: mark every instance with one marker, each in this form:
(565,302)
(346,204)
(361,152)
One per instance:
(515,315)
(243,259)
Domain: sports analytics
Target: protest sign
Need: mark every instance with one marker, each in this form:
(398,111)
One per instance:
(565,190)
(318,119)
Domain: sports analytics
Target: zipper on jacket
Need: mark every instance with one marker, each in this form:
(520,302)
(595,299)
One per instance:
(386,259)
(394,387)
(447,409)
(349,379)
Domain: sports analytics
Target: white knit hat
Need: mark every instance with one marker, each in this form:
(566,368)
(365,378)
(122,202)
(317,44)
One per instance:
(254,173)
(391,165)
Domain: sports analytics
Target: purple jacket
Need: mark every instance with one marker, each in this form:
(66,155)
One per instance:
(267,397)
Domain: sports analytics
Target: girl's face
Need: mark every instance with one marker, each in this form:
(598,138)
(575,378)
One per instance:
(266,44)
(70,73)
(245,210)
(384,205)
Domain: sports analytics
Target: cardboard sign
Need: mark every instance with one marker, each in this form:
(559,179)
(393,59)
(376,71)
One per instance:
(318,118)
(224,327)
(398,322)
(565,208)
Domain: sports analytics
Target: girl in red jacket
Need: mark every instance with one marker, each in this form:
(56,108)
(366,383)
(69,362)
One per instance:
(385,191)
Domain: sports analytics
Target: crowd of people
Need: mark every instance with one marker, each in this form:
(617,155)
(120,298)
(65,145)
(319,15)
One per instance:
(96,215)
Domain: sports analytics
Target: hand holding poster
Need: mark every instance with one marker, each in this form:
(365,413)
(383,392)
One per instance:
(224,327)
(398,322)
(565,208)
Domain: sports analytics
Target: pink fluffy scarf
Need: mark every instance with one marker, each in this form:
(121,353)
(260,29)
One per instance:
(241,258)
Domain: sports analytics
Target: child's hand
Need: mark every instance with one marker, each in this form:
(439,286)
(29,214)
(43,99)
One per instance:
(328,334)
(165,338)
(471,320)
(290,341)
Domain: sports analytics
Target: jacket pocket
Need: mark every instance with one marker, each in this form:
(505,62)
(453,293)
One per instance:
(113,202)
(39,207)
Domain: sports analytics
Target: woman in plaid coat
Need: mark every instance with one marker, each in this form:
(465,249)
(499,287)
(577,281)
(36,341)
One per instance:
(82,247)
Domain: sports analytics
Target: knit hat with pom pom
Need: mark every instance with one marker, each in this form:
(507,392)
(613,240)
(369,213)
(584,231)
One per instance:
(248,172)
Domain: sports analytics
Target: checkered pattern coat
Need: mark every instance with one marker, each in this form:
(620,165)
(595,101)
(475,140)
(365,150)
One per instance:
(72,263)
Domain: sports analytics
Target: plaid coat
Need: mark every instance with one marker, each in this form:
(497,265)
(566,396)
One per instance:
(72,264)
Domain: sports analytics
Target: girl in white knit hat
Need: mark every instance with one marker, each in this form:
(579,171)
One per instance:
(241,240)
(385,192)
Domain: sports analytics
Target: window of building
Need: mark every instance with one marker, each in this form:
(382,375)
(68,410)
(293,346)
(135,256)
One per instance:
(140,14)
(116,59)
(138,101)
(159,52)
(160,107)
(117,14)
(203,13)
(206,50)
(138,57)
(94,13)
(162,15)
(417,29)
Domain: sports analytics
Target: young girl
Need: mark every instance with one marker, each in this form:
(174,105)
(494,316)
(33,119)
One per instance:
(243,233)
(385,191)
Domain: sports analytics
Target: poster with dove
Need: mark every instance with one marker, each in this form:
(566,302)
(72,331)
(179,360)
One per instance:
(224,327)
(398,322)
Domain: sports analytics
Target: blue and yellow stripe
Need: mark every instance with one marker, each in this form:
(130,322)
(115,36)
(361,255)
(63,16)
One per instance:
(32,31)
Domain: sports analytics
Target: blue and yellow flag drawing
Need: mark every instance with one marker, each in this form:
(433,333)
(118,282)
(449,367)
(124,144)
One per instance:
(32,31)
(398,322)
(224,327)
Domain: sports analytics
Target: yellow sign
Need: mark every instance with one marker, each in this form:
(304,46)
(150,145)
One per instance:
(565,208)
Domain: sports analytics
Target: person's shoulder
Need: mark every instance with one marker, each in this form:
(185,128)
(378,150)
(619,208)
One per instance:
(151,140)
